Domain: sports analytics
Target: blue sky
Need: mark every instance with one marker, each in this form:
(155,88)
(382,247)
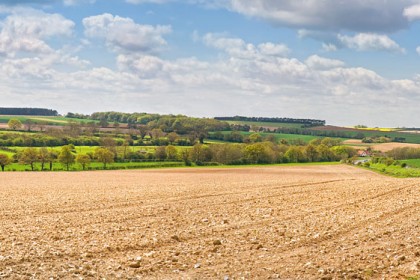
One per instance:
(348,62)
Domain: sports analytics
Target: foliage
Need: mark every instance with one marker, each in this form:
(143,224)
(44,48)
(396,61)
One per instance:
(307,122)
(104,156)
(4,160)
(14,124)
(28,111)
(29,156)
(83,160)
(66,157)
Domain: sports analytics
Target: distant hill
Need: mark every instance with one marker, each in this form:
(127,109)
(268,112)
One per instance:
(28,112)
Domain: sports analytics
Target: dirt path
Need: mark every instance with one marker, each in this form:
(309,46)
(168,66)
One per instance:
(314,222)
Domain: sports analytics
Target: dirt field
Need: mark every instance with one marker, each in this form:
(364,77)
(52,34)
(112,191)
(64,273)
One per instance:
(384,147)
(312,222)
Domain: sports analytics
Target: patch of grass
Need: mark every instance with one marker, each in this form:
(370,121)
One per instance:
(415,163)
(97,166)
(395,170)
(49,120)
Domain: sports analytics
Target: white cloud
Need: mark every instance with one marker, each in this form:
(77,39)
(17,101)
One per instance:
(412,13)
(318,62)
(238,48)
(328,47)
(76,2)
(356,15)
(27,31)
(418,50)
(123,34)
(274,49)
(370,42)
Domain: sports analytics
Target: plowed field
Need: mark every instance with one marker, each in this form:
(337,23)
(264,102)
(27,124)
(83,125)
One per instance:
(311,222)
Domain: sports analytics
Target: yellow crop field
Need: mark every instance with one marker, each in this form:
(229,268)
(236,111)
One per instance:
(302,222)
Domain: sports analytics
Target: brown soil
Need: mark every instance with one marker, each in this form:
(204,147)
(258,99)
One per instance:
(311,222)
(384,147)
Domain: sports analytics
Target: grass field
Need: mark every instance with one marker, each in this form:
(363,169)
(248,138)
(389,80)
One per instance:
(415,163)
(412,171)
(302,222)
(267,124)
(409,137)
(97,166)
(42,119)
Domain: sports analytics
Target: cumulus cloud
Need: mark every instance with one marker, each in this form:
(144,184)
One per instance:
(359,42)
(318,62)
(123,34)
(412,12)
(370,42)
(418,50)
(28,30)
(357,15)
(238,48)
(76,2)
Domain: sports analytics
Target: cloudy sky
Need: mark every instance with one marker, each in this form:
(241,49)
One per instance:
(348,62)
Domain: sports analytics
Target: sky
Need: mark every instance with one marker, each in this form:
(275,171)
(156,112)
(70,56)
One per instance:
(346,62)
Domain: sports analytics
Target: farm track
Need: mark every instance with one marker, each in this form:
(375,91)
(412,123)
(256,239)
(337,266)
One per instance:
(331,222)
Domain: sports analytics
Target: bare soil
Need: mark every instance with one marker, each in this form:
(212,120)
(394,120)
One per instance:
(383,147)
(310,222)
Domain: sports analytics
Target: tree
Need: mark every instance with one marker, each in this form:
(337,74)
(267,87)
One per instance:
(172,137)
(186,156)
(104,155)
(311,153)
(66,156)
(295,154)
(4,160)
(160,153)
(29,156)
(171,152)
(110,144)
(83,160)
(29,124)
(14,124)
(44,157)
(103,123)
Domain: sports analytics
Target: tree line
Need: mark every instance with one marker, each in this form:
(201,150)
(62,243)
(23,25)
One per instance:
(304,122)
(318,150)
(28,111)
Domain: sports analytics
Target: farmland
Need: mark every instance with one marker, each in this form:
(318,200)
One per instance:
(301,222)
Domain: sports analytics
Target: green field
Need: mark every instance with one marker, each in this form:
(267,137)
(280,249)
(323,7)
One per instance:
(48,120)
(267,124)
(279,136)
(409,137)
(414,163)
(397,170)
(98,166)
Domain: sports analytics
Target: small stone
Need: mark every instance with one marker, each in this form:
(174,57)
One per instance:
(175,237)
(217,242)
(134,264)
(259,246)
(205,220)
(197,265)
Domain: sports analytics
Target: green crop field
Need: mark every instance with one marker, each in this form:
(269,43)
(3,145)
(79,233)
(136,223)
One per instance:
(414,163)
(409,137)
(49,120)
(97,166)
(397,171)
(267,124)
